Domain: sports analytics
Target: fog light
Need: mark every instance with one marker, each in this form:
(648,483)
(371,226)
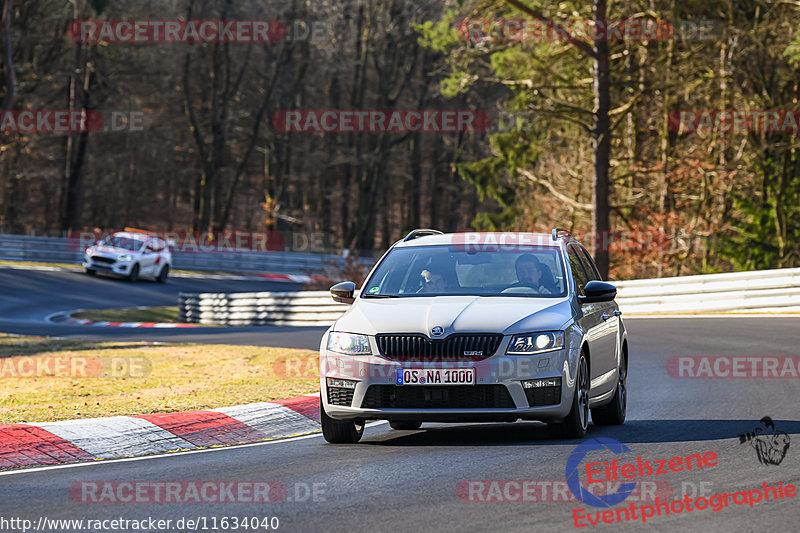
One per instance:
(342,383)
(539,383)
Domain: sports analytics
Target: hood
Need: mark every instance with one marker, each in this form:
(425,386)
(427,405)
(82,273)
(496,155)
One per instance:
(507,315)
(111,250)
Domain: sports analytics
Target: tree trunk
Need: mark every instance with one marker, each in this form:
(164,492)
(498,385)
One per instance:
(601,143)
(8,61)
(80,86)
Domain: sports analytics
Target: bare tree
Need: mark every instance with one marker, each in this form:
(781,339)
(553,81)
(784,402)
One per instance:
(8,60)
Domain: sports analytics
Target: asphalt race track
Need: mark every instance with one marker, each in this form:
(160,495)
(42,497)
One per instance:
(27,298)
(419,480)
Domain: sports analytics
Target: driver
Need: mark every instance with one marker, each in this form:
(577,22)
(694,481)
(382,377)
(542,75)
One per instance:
(433,282)
(530,273)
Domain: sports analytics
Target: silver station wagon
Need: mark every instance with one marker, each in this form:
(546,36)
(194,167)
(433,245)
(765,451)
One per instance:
(476,327)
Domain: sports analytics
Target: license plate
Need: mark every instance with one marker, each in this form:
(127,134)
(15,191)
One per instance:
(436,376)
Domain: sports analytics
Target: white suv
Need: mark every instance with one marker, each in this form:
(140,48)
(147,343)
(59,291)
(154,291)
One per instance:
(476,327)
(130,254)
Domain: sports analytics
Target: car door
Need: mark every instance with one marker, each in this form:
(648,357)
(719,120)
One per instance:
(147,259)
(160,253)
(598,323)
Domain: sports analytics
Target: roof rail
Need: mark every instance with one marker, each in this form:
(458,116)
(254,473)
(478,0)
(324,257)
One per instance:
(557,231)
(421,232)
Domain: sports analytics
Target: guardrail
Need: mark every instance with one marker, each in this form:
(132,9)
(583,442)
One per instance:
(762,291)
(58,250)
(737,292)
(309,308)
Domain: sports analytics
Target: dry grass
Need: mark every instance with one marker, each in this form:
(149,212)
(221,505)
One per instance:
(74,266)
(135,314)
(139,378)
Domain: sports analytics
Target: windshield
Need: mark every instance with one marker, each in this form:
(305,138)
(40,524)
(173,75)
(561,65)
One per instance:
(125,243)
(440,270)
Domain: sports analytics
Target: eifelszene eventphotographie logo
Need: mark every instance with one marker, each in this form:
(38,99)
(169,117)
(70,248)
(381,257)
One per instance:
(770,444)
(624,472)
(573,468)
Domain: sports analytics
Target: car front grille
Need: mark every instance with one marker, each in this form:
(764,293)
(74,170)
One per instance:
(340,396)
(458,347)
(438,397)
(543,396)
(101,259)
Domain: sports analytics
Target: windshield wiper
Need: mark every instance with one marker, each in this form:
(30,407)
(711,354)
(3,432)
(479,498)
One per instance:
(381,296)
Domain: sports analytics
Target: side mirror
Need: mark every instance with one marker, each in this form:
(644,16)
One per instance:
(598,291)
(343,292)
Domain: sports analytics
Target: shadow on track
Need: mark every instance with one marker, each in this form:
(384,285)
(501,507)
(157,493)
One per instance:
(641,431)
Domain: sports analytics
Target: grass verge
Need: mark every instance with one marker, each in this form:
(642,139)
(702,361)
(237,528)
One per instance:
(74,266)
(46,379)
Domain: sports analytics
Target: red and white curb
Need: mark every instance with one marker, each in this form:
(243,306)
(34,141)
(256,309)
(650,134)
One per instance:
(85,322)
(294,278)
(66,318)
(50,443)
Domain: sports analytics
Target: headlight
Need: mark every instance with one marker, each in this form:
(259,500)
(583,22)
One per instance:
(348,343)
(532,343)
(124,257)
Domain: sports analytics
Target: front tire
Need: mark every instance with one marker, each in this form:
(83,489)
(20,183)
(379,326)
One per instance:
(405,425)
(91,272)
(162,276)
(613,414)
(574,426)
(339,431)
(134,275)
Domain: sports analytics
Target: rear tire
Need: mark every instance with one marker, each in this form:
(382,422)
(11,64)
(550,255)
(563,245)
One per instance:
(574,426)
(405,425)
(613,414)
(339,431)
(162,276)
(134,275)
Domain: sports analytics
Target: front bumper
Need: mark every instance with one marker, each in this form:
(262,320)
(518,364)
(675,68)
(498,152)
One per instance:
(118,268)
(497,395)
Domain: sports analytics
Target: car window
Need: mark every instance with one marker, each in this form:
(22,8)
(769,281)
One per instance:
(451,270)
(591,268)
(126,243)
(578,271)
